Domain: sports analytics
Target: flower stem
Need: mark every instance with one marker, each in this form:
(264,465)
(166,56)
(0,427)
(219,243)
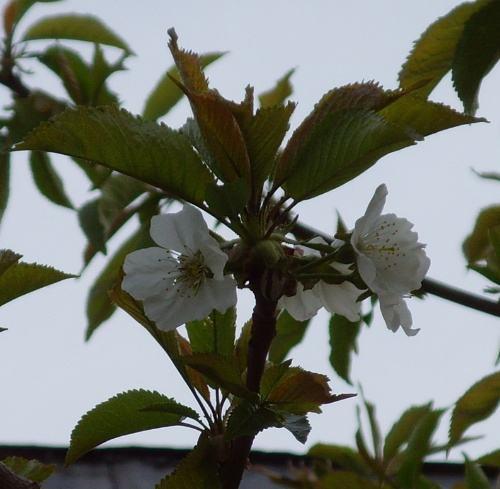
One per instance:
(262,334)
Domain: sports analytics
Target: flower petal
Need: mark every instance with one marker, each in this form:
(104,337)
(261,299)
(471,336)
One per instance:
(219,294)
(301,306)
(148,272)
(396,313)
(340,298)
(215,258)
(373,211)
(180,231)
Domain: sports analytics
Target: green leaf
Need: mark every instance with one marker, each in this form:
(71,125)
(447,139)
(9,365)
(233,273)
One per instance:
(374,428)
(343,457)
(340,147)
(228,200)
(100,71)
(222,371)
(346,480)
(241,346)
(171,407)
(492,458)
(488,175)
(22,278)
(248,419)
(121,415)
(343,335)
(47,180)
(92,226)
(16,9)
(77,28)
(289,332)
(7,259)
(479,402)
(215,334)
(99,306)
(166,93)
(279,93)
(477,51)
(475,478)
(419,445)
(198,470)
(298,426)
(32,470)
(144,150)
(475,246)
(432,54)
(401,431)
(4,181)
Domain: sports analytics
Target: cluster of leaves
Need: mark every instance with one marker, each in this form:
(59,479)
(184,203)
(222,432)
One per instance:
(212,362)
(396,461)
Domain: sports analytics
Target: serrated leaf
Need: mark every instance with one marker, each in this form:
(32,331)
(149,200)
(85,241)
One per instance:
(76,28)
(228,200)
(100,71)
(418,447)
(475,246)
(4,181)
(215,334)
(341,456)
(477,51)
(339,148)
(479,402)
(298,426)
(121,415)
(32,470)
(475,478)
(198,470)
(99,306)
(492,458)
(149,152)
(22,278)
(343,335)
(279,93)
(289,332)
(401,431)
(166,93)
(432,55)
(7,259)
(171,407)
(248,419)
(92,226)
(47,180)
(222,371)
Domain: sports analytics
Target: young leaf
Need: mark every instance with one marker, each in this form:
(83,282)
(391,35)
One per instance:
(32,470)
(402,430)
(475,478)
(121,415)
(16,9)
(77,28)
(476,53)
(166,93)
(198,470)
(344,457)
(298,426)
(279,93)
(99,305)
(248,419)
(100,71)
(149,152)
(4,181)
(222,371)
(289,332)
(492,458)
(7,259)
(47,180)
(215,334)
(479,402)
(22,278)
(92,226)
(418,447)
(475,246)
(343,335)
(432,55)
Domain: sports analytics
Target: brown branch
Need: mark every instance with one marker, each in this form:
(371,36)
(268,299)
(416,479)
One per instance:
(429,285)
(263,332)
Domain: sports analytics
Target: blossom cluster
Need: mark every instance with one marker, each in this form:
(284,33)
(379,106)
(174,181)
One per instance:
(184,278)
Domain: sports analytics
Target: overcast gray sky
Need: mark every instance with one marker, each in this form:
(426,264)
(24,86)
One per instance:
(50,377)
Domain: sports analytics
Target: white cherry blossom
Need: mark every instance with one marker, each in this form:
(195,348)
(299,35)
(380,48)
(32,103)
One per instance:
(335,298)
(390,259)
(183,278)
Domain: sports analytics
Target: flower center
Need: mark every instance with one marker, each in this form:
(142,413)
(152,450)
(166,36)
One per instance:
(192,271)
